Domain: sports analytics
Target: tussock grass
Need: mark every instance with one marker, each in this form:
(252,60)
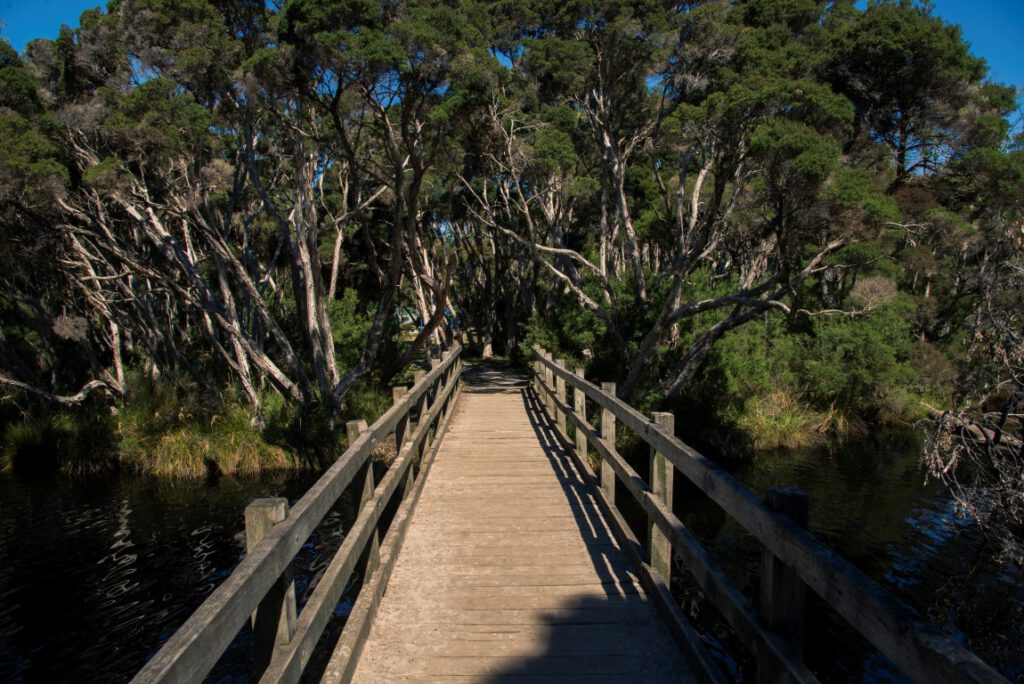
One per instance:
(170,429)
(779,420)
(60,442)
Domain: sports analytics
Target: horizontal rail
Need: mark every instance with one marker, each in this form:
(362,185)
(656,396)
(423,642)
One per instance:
(194,649)
(729,600)
(291,659)
(894,628)
(345,658)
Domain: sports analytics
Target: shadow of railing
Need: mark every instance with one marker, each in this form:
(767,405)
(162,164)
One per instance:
(609,562)
(601,633)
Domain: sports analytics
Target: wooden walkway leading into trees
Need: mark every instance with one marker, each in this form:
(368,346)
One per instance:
(508,568)
(488,550)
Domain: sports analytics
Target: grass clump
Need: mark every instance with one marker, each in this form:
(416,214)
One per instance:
(64,442)
(170,428)
(776,420)
(173,428)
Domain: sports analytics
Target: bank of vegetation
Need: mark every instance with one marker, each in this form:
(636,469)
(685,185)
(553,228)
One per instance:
(792,220)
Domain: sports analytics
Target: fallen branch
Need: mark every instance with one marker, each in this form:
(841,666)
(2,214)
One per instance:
(62,399)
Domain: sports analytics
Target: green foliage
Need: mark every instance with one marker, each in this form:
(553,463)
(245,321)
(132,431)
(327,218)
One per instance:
(156,119)
(70,443)
(170,428)
(854,188)
(791,386)
(350,324)
(765,128)
(857,361)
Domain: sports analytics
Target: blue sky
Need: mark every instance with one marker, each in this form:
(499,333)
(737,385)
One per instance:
(994,28)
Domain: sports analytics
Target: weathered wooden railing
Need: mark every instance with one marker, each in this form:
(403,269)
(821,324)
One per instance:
(260,588)
(792,558)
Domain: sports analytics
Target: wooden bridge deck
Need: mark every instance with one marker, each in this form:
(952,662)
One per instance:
(508,570)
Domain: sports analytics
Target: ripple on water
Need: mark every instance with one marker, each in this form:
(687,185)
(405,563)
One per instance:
(95,575)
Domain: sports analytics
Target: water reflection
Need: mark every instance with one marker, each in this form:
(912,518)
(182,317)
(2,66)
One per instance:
(95,575)
(870,501)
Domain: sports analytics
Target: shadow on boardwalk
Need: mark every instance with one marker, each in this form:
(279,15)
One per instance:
(509,571)
(492,377)
(595,638)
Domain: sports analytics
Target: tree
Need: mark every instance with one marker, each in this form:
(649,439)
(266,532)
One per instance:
(910,76)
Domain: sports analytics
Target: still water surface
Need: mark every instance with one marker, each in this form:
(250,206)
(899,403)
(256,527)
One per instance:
(871,501)
(96,574)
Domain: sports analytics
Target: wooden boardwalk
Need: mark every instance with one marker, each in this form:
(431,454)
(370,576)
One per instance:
(486,556)
(508,570)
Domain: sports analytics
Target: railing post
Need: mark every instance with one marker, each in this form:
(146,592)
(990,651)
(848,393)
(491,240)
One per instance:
(662,485)
(446,377)
(608,437)
(273,623)
(579,401)
(422,409)
(434,391)
(397,393)
(782,592)
(401,431)
(372,553)
(549,380)
(560,395)
(538,370)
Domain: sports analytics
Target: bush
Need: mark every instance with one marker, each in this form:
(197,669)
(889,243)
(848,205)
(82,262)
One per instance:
(172,429)
(777,420)
(62,442)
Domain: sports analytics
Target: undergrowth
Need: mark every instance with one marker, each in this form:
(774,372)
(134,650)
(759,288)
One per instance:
(172,428)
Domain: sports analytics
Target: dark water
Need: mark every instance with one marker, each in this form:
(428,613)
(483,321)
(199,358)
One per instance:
(96,574)
(871,502)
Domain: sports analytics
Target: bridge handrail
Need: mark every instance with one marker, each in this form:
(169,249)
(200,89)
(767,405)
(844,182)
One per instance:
(917,647)
(193,650)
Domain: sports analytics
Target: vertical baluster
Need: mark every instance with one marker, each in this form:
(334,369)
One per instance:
(432,393)
(662,486)
(371,557)
(580,407)
(401,429)
(783,594)
(560,395)
(401,432)
(549,380)
(273,623)
(608,437)
(422,409)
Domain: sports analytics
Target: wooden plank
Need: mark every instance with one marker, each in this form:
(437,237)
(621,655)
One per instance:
(537,679)
(346,654)
(638,666)
(195,647)
(532,557)
(533,582)
(920,649)
(572,642)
